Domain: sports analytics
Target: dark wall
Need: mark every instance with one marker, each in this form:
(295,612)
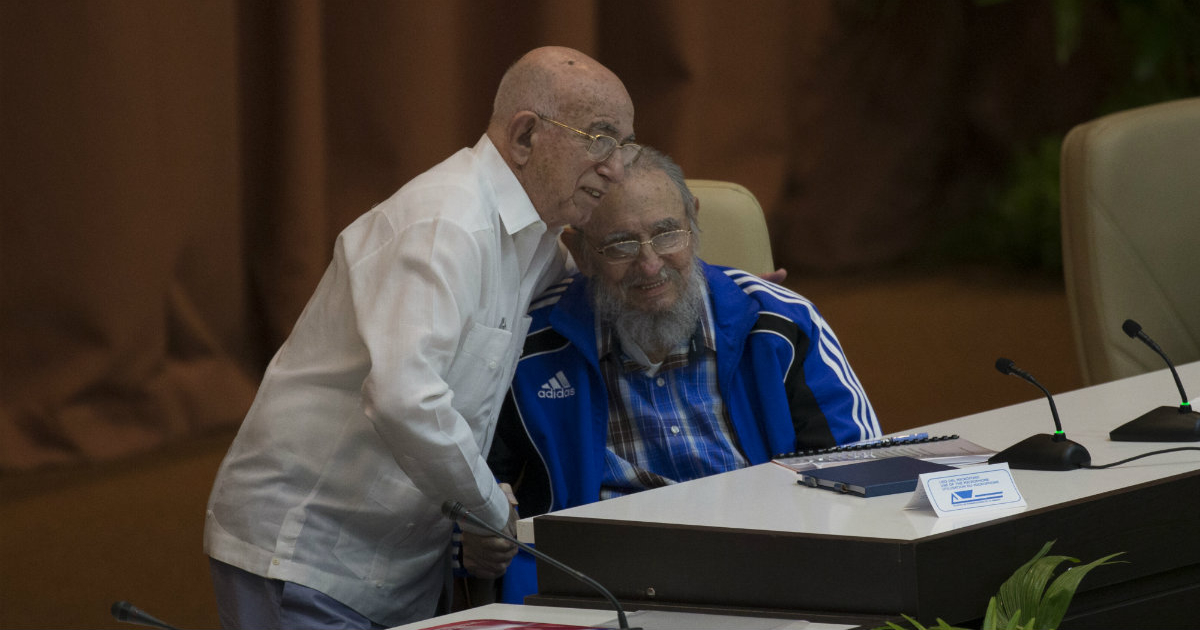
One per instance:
(174,173)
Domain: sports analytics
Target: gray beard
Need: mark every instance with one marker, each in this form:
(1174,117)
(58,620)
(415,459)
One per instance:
(653,332)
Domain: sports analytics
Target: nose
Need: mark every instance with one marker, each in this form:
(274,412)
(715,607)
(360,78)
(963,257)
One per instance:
(612,167)
(648,262)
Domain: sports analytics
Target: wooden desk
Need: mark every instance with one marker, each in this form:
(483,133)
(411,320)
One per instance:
(753,539)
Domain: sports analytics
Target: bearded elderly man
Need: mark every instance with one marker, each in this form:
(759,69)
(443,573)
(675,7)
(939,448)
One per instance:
(381,404)
(652,367)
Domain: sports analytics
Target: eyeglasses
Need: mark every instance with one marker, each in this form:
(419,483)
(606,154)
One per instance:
(603,146)
(662,244)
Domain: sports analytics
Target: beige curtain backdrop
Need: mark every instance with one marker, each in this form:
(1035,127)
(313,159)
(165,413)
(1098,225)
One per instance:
(173,173)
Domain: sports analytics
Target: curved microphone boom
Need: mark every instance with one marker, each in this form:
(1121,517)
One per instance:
(1134,330)
(1162,424)
(455,511)
(124,611)
(1042,451)
(1006,366)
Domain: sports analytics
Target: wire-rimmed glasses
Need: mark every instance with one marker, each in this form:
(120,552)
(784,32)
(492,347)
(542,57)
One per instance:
(662,244)
(602,146)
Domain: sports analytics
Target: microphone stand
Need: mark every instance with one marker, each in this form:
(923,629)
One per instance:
(1042,451)
(1162,424)
(455,511)
(124,611)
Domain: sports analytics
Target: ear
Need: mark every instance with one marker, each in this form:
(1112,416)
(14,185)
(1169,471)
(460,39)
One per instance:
(573,239)
(519,136)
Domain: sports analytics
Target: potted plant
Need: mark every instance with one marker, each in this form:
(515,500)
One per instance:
(1024,601)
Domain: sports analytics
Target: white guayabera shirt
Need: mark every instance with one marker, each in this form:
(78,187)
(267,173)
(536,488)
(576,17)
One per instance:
(382,402)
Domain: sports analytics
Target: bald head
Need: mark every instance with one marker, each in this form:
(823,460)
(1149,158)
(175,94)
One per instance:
(548,104)
(554,81)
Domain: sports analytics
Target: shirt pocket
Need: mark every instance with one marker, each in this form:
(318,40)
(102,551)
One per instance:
(477,371)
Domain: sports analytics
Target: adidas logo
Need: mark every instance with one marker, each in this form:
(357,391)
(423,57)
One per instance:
(557,387)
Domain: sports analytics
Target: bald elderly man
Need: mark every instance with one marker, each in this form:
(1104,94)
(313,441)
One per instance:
(381,404)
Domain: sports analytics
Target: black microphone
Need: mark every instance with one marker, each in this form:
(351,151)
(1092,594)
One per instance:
(1042,451)
(124,611)
(1163,424)
(456,512)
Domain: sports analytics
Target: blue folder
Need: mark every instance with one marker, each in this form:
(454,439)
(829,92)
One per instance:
(871,478)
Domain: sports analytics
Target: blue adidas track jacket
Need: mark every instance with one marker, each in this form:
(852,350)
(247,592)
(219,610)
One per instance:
(780,369)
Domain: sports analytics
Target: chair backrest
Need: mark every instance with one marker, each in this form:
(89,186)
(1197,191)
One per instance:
(1130,230)
(733,230)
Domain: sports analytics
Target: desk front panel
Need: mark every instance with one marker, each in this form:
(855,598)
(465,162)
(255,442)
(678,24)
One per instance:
(949,575)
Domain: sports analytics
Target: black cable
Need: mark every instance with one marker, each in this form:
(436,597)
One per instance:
(1125,461)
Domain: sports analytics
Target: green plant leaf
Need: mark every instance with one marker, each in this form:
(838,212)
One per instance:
(991,618)
(891,625)
(1024,601)
(1033,588)
(1023,589)
(941,625)
(1058,596)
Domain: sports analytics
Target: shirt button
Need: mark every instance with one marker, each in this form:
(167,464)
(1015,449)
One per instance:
(675,430)
(491,365)
(661,381)
(275,561)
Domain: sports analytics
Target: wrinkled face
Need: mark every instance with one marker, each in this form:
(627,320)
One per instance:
(566,184)
(642,207)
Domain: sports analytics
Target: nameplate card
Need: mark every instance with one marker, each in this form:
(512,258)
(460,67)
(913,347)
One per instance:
(970,490)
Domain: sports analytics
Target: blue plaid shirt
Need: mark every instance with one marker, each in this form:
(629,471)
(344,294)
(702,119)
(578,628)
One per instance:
(666,427)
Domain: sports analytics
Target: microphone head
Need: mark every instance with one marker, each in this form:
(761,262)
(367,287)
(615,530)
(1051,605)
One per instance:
(1005,366)
(452,510)
(120,610)
(1131,328)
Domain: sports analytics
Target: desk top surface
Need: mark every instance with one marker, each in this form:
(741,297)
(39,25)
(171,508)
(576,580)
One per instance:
(586,617)
(737,499)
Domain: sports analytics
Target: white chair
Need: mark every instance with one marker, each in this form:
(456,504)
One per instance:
(733,230)
(1131,237)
